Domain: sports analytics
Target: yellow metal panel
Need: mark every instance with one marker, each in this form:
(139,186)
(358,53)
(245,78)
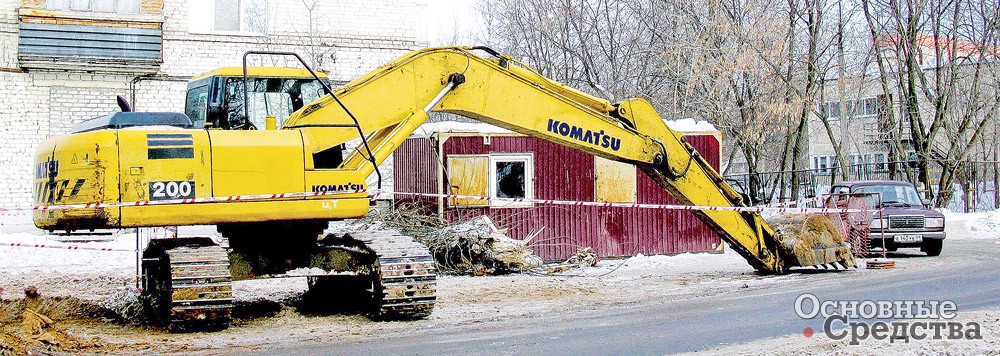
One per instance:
(331,180)
(256,162)
(164,164)
(614,182)
(217,213)
(77,169)
(469,175)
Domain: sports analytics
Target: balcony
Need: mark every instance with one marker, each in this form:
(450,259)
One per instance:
(71,41)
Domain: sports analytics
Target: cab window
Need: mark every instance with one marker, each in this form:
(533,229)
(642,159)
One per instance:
(196,105)
(279,97)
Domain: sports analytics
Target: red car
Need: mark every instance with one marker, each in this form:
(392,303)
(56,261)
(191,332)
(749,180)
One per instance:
(904,221)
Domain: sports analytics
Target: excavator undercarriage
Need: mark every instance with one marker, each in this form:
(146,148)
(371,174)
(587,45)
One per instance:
(187,282)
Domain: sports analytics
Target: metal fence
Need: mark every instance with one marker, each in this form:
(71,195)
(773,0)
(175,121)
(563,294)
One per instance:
(974,187)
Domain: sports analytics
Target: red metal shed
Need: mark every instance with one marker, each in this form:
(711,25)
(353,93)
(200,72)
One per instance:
(497,163)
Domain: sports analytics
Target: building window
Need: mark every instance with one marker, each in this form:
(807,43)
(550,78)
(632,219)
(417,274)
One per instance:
(511,180)
(830,109)
(107,6)
(859,108)
(880,162)
(824,164)
(247,17)
(614,182)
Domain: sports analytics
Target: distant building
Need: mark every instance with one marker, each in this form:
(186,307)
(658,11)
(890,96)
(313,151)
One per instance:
(483,160)
(64,61)
(858,109)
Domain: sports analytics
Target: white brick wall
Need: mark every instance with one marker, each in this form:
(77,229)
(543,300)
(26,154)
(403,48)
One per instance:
(358,35)
(25,113)
(8,33)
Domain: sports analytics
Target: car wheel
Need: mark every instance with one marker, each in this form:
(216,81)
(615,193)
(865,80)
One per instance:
(932,246)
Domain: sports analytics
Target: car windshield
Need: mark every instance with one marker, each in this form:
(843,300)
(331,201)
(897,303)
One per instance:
(892,194)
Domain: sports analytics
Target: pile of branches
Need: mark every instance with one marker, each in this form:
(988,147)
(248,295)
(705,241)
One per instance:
(473,247)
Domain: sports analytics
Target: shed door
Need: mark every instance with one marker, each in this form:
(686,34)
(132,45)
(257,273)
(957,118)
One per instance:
(614,182)
(469,175)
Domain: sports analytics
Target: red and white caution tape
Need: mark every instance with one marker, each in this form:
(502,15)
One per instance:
(232,198)
(800,201)
(64,247)
(757,209)
(264,197)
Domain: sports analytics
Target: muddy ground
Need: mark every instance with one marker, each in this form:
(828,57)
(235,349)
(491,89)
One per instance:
(268,310)
(269,317)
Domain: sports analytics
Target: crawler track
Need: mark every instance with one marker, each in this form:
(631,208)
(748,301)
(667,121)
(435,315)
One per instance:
(190,285)
(405,278)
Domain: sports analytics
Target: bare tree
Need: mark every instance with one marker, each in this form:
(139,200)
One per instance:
(940,58)
(762,71)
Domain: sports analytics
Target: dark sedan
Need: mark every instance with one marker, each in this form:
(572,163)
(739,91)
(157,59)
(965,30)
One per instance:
(904,219)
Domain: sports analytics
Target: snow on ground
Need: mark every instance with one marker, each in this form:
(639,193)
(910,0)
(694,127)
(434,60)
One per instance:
(17,228)
(983,225)
(60,258)
(95,275)
(640,266)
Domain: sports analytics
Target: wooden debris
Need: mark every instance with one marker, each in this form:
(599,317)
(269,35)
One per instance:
(584,257)
(476,246)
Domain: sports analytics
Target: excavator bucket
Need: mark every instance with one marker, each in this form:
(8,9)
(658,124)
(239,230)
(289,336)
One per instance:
(811,240)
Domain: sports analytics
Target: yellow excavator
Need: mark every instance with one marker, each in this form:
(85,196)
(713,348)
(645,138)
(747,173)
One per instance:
(258,130)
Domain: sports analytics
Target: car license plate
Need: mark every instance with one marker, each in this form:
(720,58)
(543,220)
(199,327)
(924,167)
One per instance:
(906,238)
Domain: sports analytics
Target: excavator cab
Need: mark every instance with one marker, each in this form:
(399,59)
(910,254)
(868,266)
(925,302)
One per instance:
(216,99)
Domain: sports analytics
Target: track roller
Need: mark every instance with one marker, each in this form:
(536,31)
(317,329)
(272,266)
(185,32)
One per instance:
(187,284)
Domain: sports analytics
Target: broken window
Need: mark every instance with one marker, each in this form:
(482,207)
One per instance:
(511,177)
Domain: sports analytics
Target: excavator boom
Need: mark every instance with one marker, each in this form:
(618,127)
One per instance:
(505,93)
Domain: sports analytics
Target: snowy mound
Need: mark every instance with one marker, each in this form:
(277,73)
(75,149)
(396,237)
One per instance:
(690,125)
(983,225)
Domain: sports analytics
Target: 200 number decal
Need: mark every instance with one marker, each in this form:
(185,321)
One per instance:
(171,190)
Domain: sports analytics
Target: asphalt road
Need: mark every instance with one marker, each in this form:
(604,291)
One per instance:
(967,273)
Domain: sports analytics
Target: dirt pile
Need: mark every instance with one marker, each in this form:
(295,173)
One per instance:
(27,325)
(125,306)
(802,235)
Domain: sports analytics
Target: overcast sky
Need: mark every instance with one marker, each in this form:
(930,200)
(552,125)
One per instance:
(448,19)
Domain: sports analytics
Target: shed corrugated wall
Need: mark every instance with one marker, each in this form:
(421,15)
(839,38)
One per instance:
(415,170)
(566,174)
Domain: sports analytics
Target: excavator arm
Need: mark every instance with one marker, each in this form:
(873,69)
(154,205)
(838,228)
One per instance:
(395,99)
